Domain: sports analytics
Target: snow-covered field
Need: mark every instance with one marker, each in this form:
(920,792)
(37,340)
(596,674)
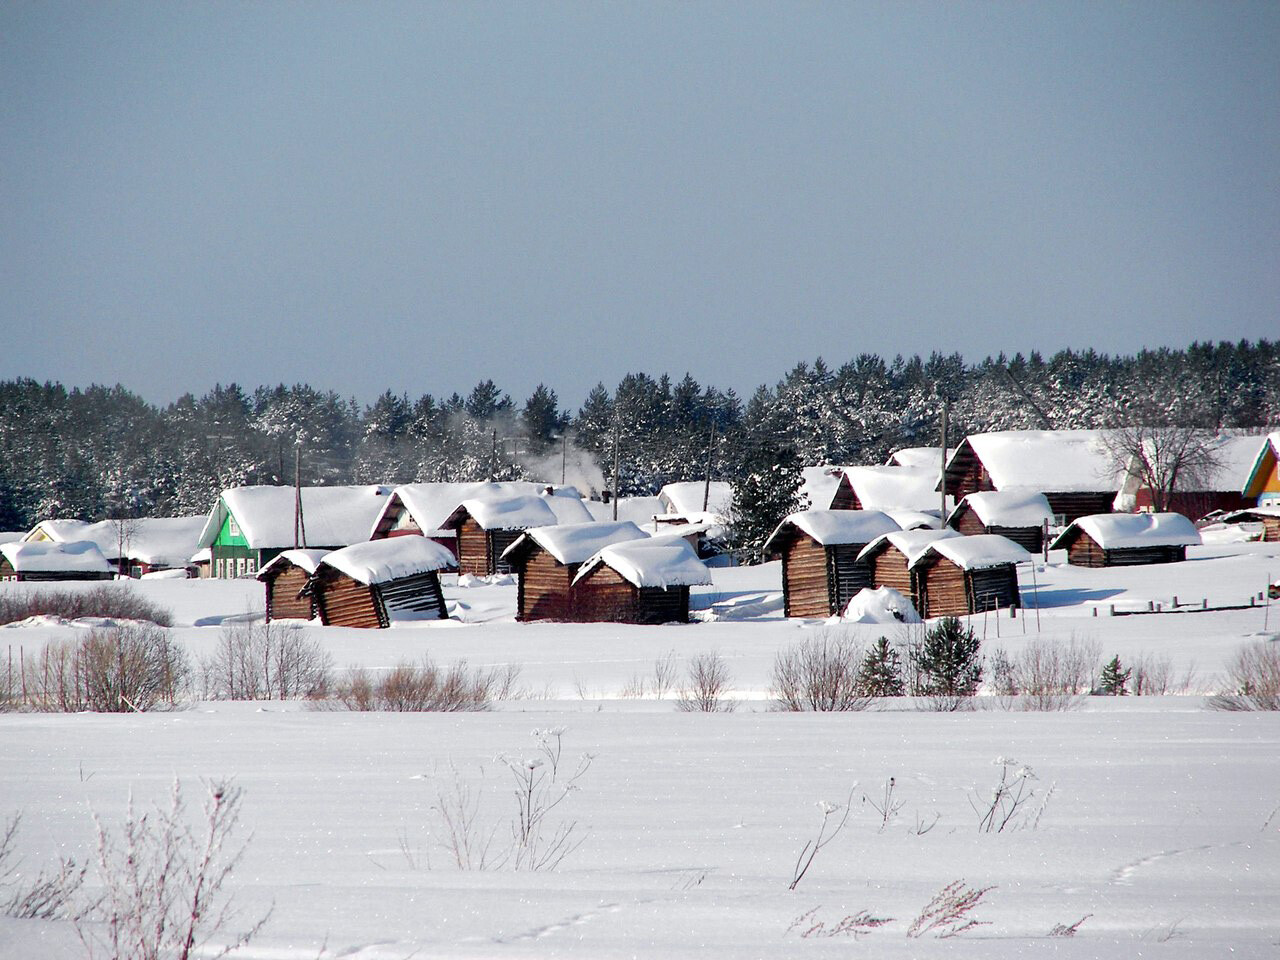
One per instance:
(1153,817)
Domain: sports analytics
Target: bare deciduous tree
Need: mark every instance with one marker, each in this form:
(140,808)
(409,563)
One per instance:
(1164,458)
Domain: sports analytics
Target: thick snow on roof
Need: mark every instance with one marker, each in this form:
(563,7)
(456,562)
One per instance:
(577,542)
(1048,461)
(975,553)
(1265,511)
(915,519)
(653,562)
(686,498)
(568,509)
(381,561)
(160,541)
(9,536)
(1117,531)
(639,510)
(80,556)
(1234,457)
(887,488)
(819,485)
(1009,508)
(910,543)
(333,516)
(835,527)
(509,513)
(430,504)
(930,457)
(307,560)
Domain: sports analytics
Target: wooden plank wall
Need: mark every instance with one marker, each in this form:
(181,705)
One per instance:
(847,573)
(416,594)
(544,587)
(1085,552)
(603,596)
(473,549)
(343,602)
(499,540)
(658,605)
(968,523)
(889,569)
(1135,556)
(1029,538)
(944,589)
(282,595)
(806,588)
(1073,506)
(993,588)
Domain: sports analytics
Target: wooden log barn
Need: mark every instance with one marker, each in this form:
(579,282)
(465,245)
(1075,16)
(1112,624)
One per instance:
(638,581)
(285,580)
(379,582)
(819,551)
(46,561)
(546,559)
(1017,514)
(887,488)
(1124,539)
(965,575)
(890,555)
(485,528)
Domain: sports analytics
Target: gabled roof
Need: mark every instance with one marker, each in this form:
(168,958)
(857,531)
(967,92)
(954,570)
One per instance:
(909,543)
(1044,461)
(888,488)
(915,519)
(638,510)
(79,556)
(9,536)
(685,498)
(307,560)
(430,504)
(1005,508)
(577,542)
(652,562)
(819,484)
(974,553)
(508,513)
(835,527)
(568,509)
(381,561)
(930,457)
(1234,455)
(333,516)
(1120,531)
(159,541)
(1264,465)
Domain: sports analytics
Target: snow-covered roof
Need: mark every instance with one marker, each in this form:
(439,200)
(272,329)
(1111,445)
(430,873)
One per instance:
(1266,454)
(1236,516)
(930,457)
(910,543)
(652,562)
(159,541)
(508,513)
(686,498)
(915,519)
(1045,461)
(9,536)
(568,509)
(1007,508)
(1119,531)
(307,560)
(577,542)
(1234,456)
(819,484)
(888,488)
(975,553)
(333,516)
(430,504)
(835,527)
(639,510)
(45,556)
(381,561)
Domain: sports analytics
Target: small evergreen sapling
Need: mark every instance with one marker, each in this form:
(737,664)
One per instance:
(881,671)
(1114,681)
(949,661)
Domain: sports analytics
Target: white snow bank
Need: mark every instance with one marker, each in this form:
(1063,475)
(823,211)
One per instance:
(1117,531)
(835,527)
(883,605)
(1008,508)
(44,556)
(577,542)
(976,553)
(652,562)
(381,561)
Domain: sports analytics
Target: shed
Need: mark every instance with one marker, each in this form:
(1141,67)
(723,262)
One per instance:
(381,582)
(819,550)
(887,488)
(639,581)
(134,545)
(890,555)
(285,578)
(1074,469)
(1019,515)
(956,576)
(686,499)
(548,558)
(1263,479)
(46,560)
(1268,516)
(485,528)
(1123,539)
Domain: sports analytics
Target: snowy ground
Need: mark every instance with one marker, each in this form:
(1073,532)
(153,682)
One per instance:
(1157,818)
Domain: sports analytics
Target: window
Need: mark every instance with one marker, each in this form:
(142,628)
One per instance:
(233,528)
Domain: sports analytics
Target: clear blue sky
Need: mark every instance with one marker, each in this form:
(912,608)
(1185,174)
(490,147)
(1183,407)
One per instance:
(416,196)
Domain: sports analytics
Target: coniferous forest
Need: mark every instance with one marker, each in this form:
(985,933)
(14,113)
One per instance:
(101,452)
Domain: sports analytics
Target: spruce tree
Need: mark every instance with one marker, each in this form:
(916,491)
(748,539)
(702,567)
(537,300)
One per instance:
(1114,681)
(881,671)
(948,660)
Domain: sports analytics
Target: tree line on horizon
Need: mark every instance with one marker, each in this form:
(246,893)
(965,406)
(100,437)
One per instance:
(102,452)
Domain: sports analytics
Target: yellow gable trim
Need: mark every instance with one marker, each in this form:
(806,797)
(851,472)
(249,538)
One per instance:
(1265,478)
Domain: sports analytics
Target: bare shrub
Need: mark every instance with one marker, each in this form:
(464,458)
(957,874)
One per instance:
(266,661)
(664,675)
(855,925)
(828,830)
(421,687)
(163,883)
(633,689)
(1008,805)
(468,839)
(886,807)
(538,841)
(1152,676)
(1047,674)
(49,896)
(705,684)
(1253,676)
(948,913)
(134,667)
(111,601)
(822,673)
(1068,929)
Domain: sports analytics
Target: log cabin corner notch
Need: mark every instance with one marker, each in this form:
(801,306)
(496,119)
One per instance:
(639,581)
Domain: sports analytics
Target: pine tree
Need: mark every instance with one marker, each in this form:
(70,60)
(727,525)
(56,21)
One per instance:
(948,660)
(881,672)
(1114,681)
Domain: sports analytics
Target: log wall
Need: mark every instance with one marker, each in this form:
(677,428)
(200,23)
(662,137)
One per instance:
(943,590)
(473,549)
(1073,506)
(543,592)
(968,523)
(344,602)
(603,596)
(848,574)
(993,588)
(806,587)
(283,601)
(1029,538)
(889,569)
(418,594)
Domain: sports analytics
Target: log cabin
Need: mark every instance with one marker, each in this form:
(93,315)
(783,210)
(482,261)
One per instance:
(380,582)
(1268,517)
(134,546)
(1125,539)
(819,551)
(285,579)
(890,555)
(1019,515)
(1074,469)
(486,528)
(958,576)
(46,560)
(638,581)
(887,488)
(546,560)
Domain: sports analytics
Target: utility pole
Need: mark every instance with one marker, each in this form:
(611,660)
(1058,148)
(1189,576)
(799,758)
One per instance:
(946,409)
(299,523)
(711,452)
(564,456)
(615,468)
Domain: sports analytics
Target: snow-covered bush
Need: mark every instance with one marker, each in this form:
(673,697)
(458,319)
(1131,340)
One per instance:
(1253,678)
(112,601)
(266,661)
(821,673)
